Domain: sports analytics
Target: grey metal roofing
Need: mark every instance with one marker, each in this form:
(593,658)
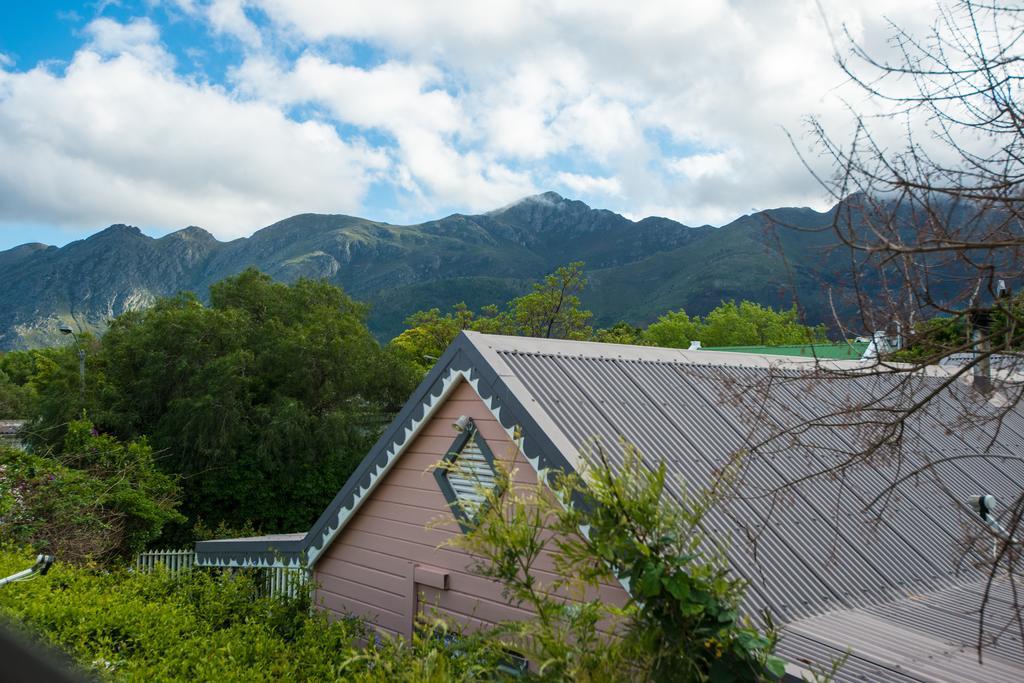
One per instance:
(809,551)
(926,637)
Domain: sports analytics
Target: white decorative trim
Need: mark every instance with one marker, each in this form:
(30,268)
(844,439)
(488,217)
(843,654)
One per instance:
(430,406)
(250,563)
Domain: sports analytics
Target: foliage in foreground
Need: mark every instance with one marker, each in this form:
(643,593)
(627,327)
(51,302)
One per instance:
(201,627)
(101,500)
(683,622)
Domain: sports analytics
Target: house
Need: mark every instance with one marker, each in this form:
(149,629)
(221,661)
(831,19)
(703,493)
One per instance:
(9,433)
(897,590)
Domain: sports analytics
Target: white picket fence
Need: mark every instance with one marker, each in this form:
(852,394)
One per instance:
(173,560)
(278,581)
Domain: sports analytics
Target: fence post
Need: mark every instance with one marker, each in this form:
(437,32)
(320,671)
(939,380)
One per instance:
(174,560)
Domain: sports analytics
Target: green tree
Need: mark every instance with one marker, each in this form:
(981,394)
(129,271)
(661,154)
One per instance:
(675,329)
(620,333)
(19,366)
(15,400)
(54,383)
(264,401)
(430,333)
(551,310)
(732,324)
(99,500)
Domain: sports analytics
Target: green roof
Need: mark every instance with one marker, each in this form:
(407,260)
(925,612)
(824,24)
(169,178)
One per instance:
(836,351)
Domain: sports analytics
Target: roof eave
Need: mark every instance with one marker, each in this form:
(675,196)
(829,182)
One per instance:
(250,553)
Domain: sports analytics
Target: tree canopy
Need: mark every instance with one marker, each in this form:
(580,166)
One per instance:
(732,324)
(551,310)
(263,402)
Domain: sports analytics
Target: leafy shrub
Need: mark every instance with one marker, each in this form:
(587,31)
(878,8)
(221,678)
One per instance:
(196,625)
(101,500)
(683,622)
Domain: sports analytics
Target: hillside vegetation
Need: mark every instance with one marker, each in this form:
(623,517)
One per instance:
(639,269)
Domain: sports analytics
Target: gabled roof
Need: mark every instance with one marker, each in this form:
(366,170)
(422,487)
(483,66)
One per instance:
(812,552)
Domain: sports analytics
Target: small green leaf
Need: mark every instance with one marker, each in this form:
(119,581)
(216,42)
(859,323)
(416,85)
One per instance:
(678,586)
(650,582)
(691,609)
(775,666)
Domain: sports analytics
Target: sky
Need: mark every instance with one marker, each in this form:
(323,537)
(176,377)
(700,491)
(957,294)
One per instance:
(234,114)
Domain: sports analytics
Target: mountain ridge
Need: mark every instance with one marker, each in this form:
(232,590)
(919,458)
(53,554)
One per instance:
(635,266)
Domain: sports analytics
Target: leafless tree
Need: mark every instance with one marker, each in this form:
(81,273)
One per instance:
(930,193)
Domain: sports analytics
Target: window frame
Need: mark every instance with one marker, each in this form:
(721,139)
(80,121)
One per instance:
(471,433)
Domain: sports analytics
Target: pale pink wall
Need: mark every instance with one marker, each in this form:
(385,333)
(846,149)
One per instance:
(370,569)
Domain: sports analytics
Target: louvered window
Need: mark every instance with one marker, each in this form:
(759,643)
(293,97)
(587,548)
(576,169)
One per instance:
(467,474)
(470,475)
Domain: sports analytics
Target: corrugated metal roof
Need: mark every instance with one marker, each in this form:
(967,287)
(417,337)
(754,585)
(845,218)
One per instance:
(922,637)
(816,549)
(696,417)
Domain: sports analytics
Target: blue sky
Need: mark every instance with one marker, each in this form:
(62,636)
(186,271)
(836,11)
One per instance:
(232,114)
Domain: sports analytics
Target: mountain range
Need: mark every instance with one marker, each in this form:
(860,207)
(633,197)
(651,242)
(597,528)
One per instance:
(637,269)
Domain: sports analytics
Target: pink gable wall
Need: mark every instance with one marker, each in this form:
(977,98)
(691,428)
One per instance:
(386,563)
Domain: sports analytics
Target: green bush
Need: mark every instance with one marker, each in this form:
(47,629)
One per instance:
(683,621)
(100,500)
(123,625)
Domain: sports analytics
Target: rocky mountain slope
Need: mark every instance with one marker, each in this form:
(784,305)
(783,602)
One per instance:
(638,269)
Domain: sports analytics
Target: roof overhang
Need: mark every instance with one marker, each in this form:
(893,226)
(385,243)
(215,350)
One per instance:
(280,550)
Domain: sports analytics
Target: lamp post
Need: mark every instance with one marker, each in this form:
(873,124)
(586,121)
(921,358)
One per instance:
(64,329)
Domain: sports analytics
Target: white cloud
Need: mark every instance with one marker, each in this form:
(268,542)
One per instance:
(408,103)
(706,165)
(609,82)
(139,37)
(589,185)
(228,16)
(392,96)
(468,106)
(123,139)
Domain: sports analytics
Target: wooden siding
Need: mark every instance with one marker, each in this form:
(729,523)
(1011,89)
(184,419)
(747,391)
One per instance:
(370,570)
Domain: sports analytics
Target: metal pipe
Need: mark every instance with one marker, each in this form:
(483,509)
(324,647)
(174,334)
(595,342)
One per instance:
(41,566)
